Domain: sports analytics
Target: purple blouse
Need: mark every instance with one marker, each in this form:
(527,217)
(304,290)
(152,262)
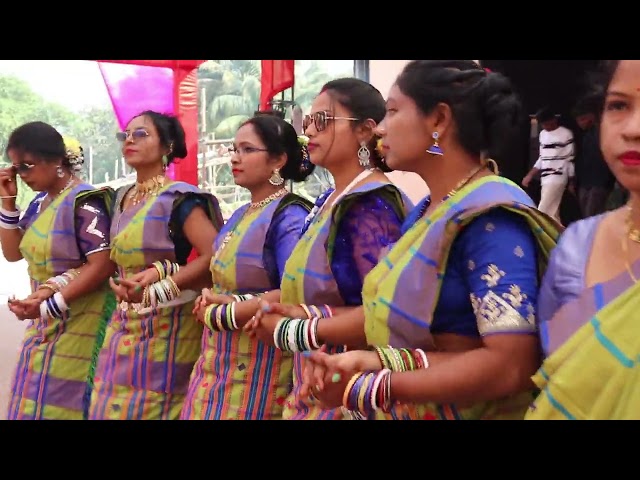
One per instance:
(369,226)
(92,222)
(282,236)
(564,279)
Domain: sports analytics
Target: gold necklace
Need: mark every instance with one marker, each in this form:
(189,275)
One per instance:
(253,206)
(269,199)
(632,234)
(149,188)
(455,190)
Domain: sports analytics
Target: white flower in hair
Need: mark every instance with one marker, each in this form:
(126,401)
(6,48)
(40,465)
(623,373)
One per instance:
(75,153)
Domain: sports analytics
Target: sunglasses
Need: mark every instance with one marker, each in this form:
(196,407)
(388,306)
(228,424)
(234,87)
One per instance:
(137,134)
(22,167)
(321,119)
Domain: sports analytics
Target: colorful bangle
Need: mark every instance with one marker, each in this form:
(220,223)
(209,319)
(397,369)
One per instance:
(367,392)
(403,359)
(9,220)
(165,268)
(313,311)
(296,335)
(221,318)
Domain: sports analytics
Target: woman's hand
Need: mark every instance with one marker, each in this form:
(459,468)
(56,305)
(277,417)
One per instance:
(8,184)
(286,310)
(131,289)
(121,288)
(326,376)
(263,324)
(26,309)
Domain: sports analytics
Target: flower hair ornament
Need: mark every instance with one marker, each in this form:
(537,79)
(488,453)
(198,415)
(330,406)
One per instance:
(303,141)
(75,154)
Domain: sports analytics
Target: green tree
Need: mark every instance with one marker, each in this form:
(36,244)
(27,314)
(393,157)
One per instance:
(94,127)
(97,136)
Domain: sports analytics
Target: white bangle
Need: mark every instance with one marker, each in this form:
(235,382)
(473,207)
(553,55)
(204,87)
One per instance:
(276,333)
(10,213)
(423,355)
(43,310)
(60,301)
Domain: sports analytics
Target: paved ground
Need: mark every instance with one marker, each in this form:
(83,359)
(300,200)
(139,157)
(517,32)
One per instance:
(13,280)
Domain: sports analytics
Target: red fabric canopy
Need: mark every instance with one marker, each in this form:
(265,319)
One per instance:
(185,107)
(174,64)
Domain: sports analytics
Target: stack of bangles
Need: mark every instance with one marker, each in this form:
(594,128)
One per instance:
(222,318)
(298,334)
(55,306)
(9,220)
(162,291)
(402,359)
(368,392)
(166,268)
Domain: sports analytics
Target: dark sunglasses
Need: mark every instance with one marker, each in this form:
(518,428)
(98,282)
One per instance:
(22,167)
(321,119)
(137,134)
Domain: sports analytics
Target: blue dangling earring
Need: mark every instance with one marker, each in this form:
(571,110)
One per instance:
(435,148)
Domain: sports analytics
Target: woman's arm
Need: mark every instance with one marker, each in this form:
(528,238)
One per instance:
(93,224)
(13,226)
(10,233)
(500,253)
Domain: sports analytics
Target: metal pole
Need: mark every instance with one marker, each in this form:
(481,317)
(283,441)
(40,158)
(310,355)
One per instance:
(90,165)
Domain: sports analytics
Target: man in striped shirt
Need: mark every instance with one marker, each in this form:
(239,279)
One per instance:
(555,163)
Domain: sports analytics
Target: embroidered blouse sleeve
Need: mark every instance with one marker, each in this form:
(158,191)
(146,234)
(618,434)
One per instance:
(92,225)
(500,253)
(283,234)
(366,232)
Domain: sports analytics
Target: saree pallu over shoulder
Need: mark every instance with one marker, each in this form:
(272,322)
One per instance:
(308,279)
(236,377)
(142,235)
(401,293)
(593,368)
(240,267)
(144,366)
(53,374)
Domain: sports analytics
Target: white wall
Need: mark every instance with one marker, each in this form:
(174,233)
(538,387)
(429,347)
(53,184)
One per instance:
(382,74)
(13,281)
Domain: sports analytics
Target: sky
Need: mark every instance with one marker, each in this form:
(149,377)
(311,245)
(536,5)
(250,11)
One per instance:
(78,83)
(73,83)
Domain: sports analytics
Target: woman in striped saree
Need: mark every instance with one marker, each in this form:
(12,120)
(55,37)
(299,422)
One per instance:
(349,229)
(450,311)
(237,377)
(590,295)
(152,340)
(64,237)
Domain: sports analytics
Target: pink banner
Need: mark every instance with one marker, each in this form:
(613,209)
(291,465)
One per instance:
(135,88)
